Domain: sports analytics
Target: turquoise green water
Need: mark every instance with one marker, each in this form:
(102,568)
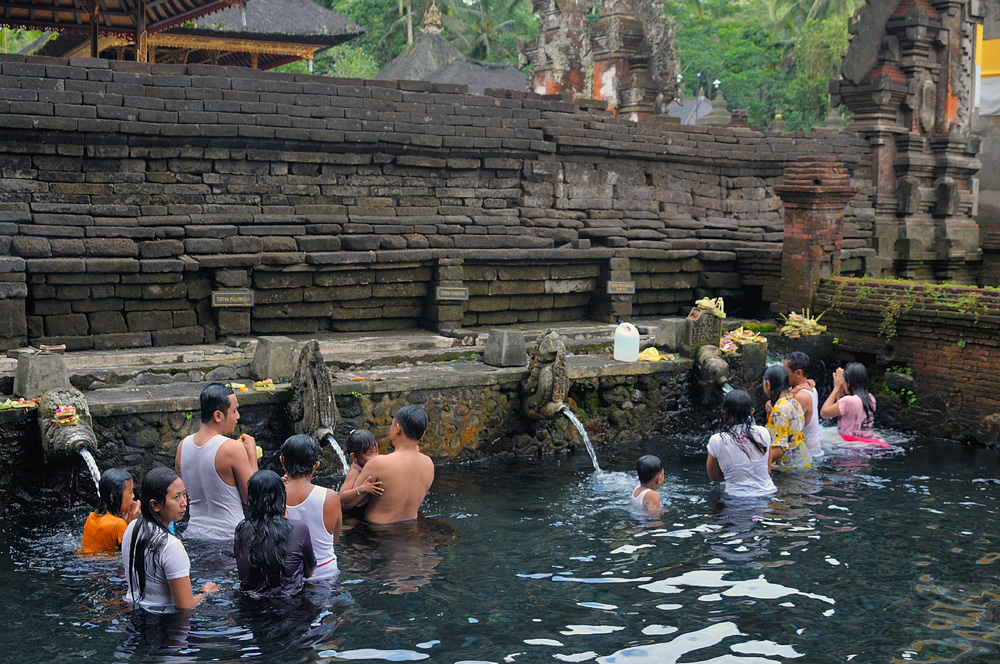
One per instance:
(867,559)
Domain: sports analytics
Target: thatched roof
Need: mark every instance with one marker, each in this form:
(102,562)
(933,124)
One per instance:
(237,37)
(116,17)
(431,58)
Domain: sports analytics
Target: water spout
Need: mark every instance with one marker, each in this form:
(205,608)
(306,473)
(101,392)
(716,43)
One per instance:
(726,387)
(91,464)
(328,438)
(583,434)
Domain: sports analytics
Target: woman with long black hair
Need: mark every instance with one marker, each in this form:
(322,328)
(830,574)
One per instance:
(157,568)
(273,555)
(785,421)
(739,454)
(851,401)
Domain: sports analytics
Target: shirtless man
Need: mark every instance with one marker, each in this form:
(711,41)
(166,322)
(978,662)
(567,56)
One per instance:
(406,474)
(804,390)
(215,468)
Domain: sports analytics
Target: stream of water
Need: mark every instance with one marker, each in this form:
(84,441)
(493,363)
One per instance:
(583,434)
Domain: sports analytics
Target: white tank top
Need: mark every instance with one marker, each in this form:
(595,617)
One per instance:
(637,501)
(216,508)
(310,512)
(810,432)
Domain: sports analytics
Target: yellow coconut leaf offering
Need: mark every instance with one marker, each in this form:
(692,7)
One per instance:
(733,340)
(801,325)
(266,385)
(237,387)
(653,355)
(716,307)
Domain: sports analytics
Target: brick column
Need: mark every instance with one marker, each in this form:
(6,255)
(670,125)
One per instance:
(815,191)
(445,314)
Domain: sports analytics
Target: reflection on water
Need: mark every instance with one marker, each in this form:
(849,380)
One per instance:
(875,556)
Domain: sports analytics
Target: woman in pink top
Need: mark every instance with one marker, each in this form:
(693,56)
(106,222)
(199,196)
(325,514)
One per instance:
(852,403)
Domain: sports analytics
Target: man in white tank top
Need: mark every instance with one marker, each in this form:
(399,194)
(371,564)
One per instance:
(215,468)
(804,390)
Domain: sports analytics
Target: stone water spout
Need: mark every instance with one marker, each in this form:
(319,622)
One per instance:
(713,374)
(72,440)
(544,391)
(313,407)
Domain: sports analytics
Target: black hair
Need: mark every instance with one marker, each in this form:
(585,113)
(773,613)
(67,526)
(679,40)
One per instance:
(269,529)
(777,378)
(149,533)
(737,421)
(299,455)
(360,441)
(856,377)
(648,467)
(214,397)
(797,360)
(413,420)
(110,490)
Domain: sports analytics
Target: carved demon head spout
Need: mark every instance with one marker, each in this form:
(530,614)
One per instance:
(543,392)
(61,438)
(313,408)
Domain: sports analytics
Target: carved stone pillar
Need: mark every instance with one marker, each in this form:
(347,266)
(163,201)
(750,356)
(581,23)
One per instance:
(561,53)
(815,191)
(907,78)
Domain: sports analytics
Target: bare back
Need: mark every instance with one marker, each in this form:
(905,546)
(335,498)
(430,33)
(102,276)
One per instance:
(406,476)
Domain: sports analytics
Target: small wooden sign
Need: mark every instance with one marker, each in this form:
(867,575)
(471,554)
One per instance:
(239,298)
(452,294)
(621,288)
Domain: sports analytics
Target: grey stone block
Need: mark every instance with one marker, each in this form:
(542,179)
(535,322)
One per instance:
(671,334)
(37,374)
(275,358)
(505,348)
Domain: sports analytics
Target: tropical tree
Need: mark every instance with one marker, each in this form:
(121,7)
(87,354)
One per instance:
(788,17)
(478,28)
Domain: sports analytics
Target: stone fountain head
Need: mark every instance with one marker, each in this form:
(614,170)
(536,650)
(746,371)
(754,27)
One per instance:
(313,408)
(65,440)
(544,391)
(713,373)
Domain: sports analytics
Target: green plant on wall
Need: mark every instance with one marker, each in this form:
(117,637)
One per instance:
(895,308)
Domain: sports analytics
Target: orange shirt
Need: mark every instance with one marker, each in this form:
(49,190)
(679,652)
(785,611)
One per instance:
(102,532)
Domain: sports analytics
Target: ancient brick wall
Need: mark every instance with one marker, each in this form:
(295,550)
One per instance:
(129,192)
(948,336)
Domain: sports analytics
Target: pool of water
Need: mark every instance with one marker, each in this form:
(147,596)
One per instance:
(873,557)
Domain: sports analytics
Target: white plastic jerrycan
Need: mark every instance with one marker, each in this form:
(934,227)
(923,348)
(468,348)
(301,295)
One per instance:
(626,343)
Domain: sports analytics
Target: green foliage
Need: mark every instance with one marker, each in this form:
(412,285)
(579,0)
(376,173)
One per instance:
(488,29)
(344,61)
(760,328)
(961,343)
(896,368)
(12,40)
(356,395)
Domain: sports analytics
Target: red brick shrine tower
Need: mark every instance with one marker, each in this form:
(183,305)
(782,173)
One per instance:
(907,78)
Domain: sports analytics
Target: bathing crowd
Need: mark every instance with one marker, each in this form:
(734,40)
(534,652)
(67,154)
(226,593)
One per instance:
(291,524)
(743,453)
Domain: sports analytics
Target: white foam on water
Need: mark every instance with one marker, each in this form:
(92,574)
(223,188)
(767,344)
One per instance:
(577,630)
(765,648)
(374,653)
(578,657)
(671,651)
(761,588)
(669,607)
(658,630)
(597,605)
(711,597)
(543,642)
(632,548)
(606,579)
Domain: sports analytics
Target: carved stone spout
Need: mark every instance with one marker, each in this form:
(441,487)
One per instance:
(65,440)
(313,408)
(543,392)
(713,373)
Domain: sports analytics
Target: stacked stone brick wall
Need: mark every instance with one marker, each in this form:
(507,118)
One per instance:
(948,336)
(131,191)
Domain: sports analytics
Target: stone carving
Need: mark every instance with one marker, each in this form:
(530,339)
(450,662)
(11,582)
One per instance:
(313,408)
(544,390)
(928,104)
(703,327)
(907,195)
(57,440)
(989,430)
(713,373)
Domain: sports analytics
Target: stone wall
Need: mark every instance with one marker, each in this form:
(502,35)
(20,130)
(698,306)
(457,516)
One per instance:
(129,192)
(948,337)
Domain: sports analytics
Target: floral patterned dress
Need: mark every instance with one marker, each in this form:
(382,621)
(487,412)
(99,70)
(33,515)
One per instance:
(785,426)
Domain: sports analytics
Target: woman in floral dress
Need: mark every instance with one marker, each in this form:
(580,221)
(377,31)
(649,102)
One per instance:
(785,422)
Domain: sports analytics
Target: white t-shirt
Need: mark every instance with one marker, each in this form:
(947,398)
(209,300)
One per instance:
(172,562)
(746,472)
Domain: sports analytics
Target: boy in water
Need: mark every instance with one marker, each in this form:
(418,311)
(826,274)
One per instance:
(646,497)
(803,389)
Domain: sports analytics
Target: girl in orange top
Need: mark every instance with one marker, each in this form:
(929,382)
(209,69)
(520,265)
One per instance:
(116,509)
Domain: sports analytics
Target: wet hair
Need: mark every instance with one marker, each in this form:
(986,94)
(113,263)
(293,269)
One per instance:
(360,441)
(110,490)
(214,397)
(299,455)
(648,467)
(269,530)
(856,377)
(737,421)
(413,420)
(149,533)
(797,360)
(777,378)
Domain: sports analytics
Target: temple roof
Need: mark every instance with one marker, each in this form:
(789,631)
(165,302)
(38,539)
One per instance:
(274,32)
(431,58)
(117,17)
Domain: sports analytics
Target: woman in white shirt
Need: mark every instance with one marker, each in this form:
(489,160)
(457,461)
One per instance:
(738,455)
(157,568)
